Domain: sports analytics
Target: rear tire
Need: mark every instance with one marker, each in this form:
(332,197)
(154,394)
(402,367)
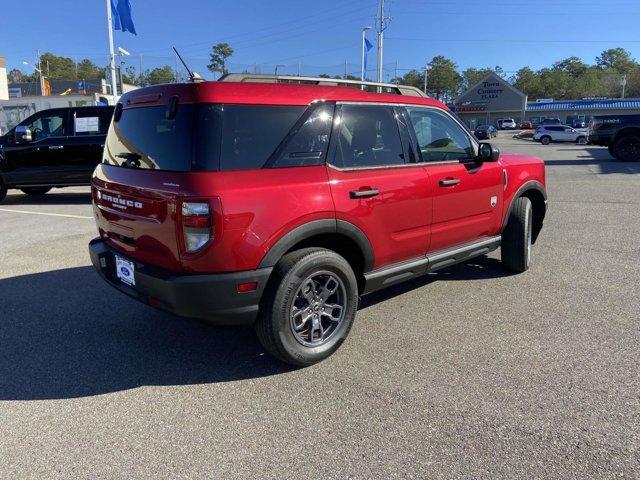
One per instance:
(3,192)
(612,152)
(300,322)
(546,140)
(627,148)
(35,191)
(581,141)
(517,237)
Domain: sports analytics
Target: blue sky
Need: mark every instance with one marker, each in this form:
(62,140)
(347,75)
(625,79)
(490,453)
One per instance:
(322,35)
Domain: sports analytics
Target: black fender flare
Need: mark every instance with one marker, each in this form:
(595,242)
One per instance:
(319,227)
(530,185)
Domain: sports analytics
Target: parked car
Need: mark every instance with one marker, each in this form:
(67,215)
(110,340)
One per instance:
(546,134)
(526,125)
(485,132)
(279,205)
(579,123)
(506,124)
(53,148)
(550,121)
(620,133)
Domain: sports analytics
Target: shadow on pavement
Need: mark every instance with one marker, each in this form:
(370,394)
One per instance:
(54,197)
(66,334)
(598,157)
(480,268)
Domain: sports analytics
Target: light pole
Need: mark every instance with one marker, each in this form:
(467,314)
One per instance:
(277,67)
(39,70)
(364,52)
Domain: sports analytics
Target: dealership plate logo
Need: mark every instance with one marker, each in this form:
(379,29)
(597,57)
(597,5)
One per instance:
(494,201)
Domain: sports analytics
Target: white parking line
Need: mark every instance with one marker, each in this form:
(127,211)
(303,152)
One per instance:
(43,213)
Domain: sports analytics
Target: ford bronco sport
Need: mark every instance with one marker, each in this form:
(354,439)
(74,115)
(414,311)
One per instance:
(279,201)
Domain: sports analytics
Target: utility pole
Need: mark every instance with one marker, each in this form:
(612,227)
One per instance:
(382,25)
(112,55)
(346,69)
(624,85)
(41,76)
(426,76)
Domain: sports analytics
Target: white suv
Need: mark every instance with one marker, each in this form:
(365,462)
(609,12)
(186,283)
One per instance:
(546,134)
(506,124)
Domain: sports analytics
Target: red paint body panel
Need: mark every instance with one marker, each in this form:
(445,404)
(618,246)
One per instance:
(465,212)
(398,220)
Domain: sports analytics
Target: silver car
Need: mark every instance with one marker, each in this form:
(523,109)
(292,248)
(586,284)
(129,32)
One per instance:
(546,134)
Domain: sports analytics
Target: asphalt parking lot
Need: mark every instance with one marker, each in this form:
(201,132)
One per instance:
(468,373)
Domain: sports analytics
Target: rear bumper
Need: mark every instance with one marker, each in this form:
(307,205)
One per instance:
(213,298)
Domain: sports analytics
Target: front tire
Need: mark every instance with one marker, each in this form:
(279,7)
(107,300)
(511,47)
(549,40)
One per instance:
(612,152)
(517,237)
(35,191)
(308,306)
(3,192)
(582,141)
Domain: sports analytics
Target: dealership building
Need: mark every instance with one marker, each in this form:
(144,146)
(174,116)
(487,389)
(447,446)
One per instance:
(494,98)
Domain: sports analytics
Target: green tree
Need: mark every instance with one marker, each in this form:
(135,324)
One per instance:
(87,69)
(617,59)
(471,76)
(413,78)
(218,58)
(443,80)
(158,75)
(57,68)
(572,66)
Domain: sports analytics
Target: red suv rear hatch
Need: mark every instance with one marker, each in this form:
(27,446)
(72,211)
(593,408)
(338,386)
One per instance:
(136,190)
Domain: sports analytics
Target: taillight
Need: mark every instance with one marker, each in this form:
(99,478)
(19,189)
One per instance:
(197,226)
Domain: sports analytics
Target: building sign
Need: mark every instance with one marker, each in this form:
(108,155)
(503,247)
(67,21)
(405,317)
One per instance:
(15,92)
(492,94)
(489,90)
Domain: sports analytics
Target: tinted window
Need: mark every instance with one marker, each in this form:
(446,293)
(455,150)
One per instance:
(251,133)
(367,136)
(144,138)
(307,142)
(439,137)
(47,125)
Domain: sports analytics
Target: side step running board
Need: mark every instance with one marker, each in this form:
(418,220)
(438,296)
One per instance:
(400,272)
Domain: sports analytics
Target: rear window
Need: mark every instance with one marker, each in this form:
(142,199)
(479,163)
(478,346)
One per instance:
(219,137)
(145,138)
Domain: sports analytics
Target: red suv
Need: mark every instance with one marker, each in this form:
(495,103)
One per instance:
(279,202)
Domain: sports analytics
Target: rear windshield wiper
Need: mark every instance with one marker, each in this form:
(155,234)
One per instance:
(131,159)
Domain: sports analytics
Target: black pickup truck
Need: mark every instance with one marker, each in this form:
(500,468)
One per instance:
(53,148)
(621,133)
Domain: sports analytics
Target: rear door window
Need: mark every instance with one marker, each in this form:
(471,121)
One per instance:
(92,121)
(251,133)
(367,136)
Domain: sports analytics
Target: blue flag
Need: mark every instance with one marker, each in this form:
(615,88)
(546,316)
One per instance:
(122,17)
(367,46)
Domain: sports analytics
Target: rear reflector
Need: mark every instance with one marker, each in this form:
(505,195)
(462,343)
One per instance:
(247,287)
(196,225)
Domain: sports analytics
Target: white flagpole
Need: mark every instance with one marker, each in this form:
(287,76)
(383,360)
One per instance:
(112,55)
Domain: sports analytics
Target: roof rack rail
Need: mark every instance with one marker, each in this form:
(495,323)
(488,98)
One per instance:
(381,87)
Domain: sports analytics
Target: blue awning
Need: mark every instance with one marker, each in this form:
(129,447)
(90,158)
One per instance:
(626,104)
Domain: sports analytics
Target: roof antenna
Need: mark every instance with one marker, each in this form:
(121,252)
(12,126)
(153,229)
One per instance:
(192,77)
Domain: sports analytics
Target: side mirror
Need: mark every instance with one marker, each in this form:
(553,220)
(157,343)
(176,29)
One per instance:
(22,134)
(488,153)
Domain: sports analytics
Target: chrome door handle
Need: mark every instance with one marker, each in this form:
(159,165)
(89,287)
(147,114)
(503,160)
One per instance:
(364,193)
(449,182)
(56,147)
